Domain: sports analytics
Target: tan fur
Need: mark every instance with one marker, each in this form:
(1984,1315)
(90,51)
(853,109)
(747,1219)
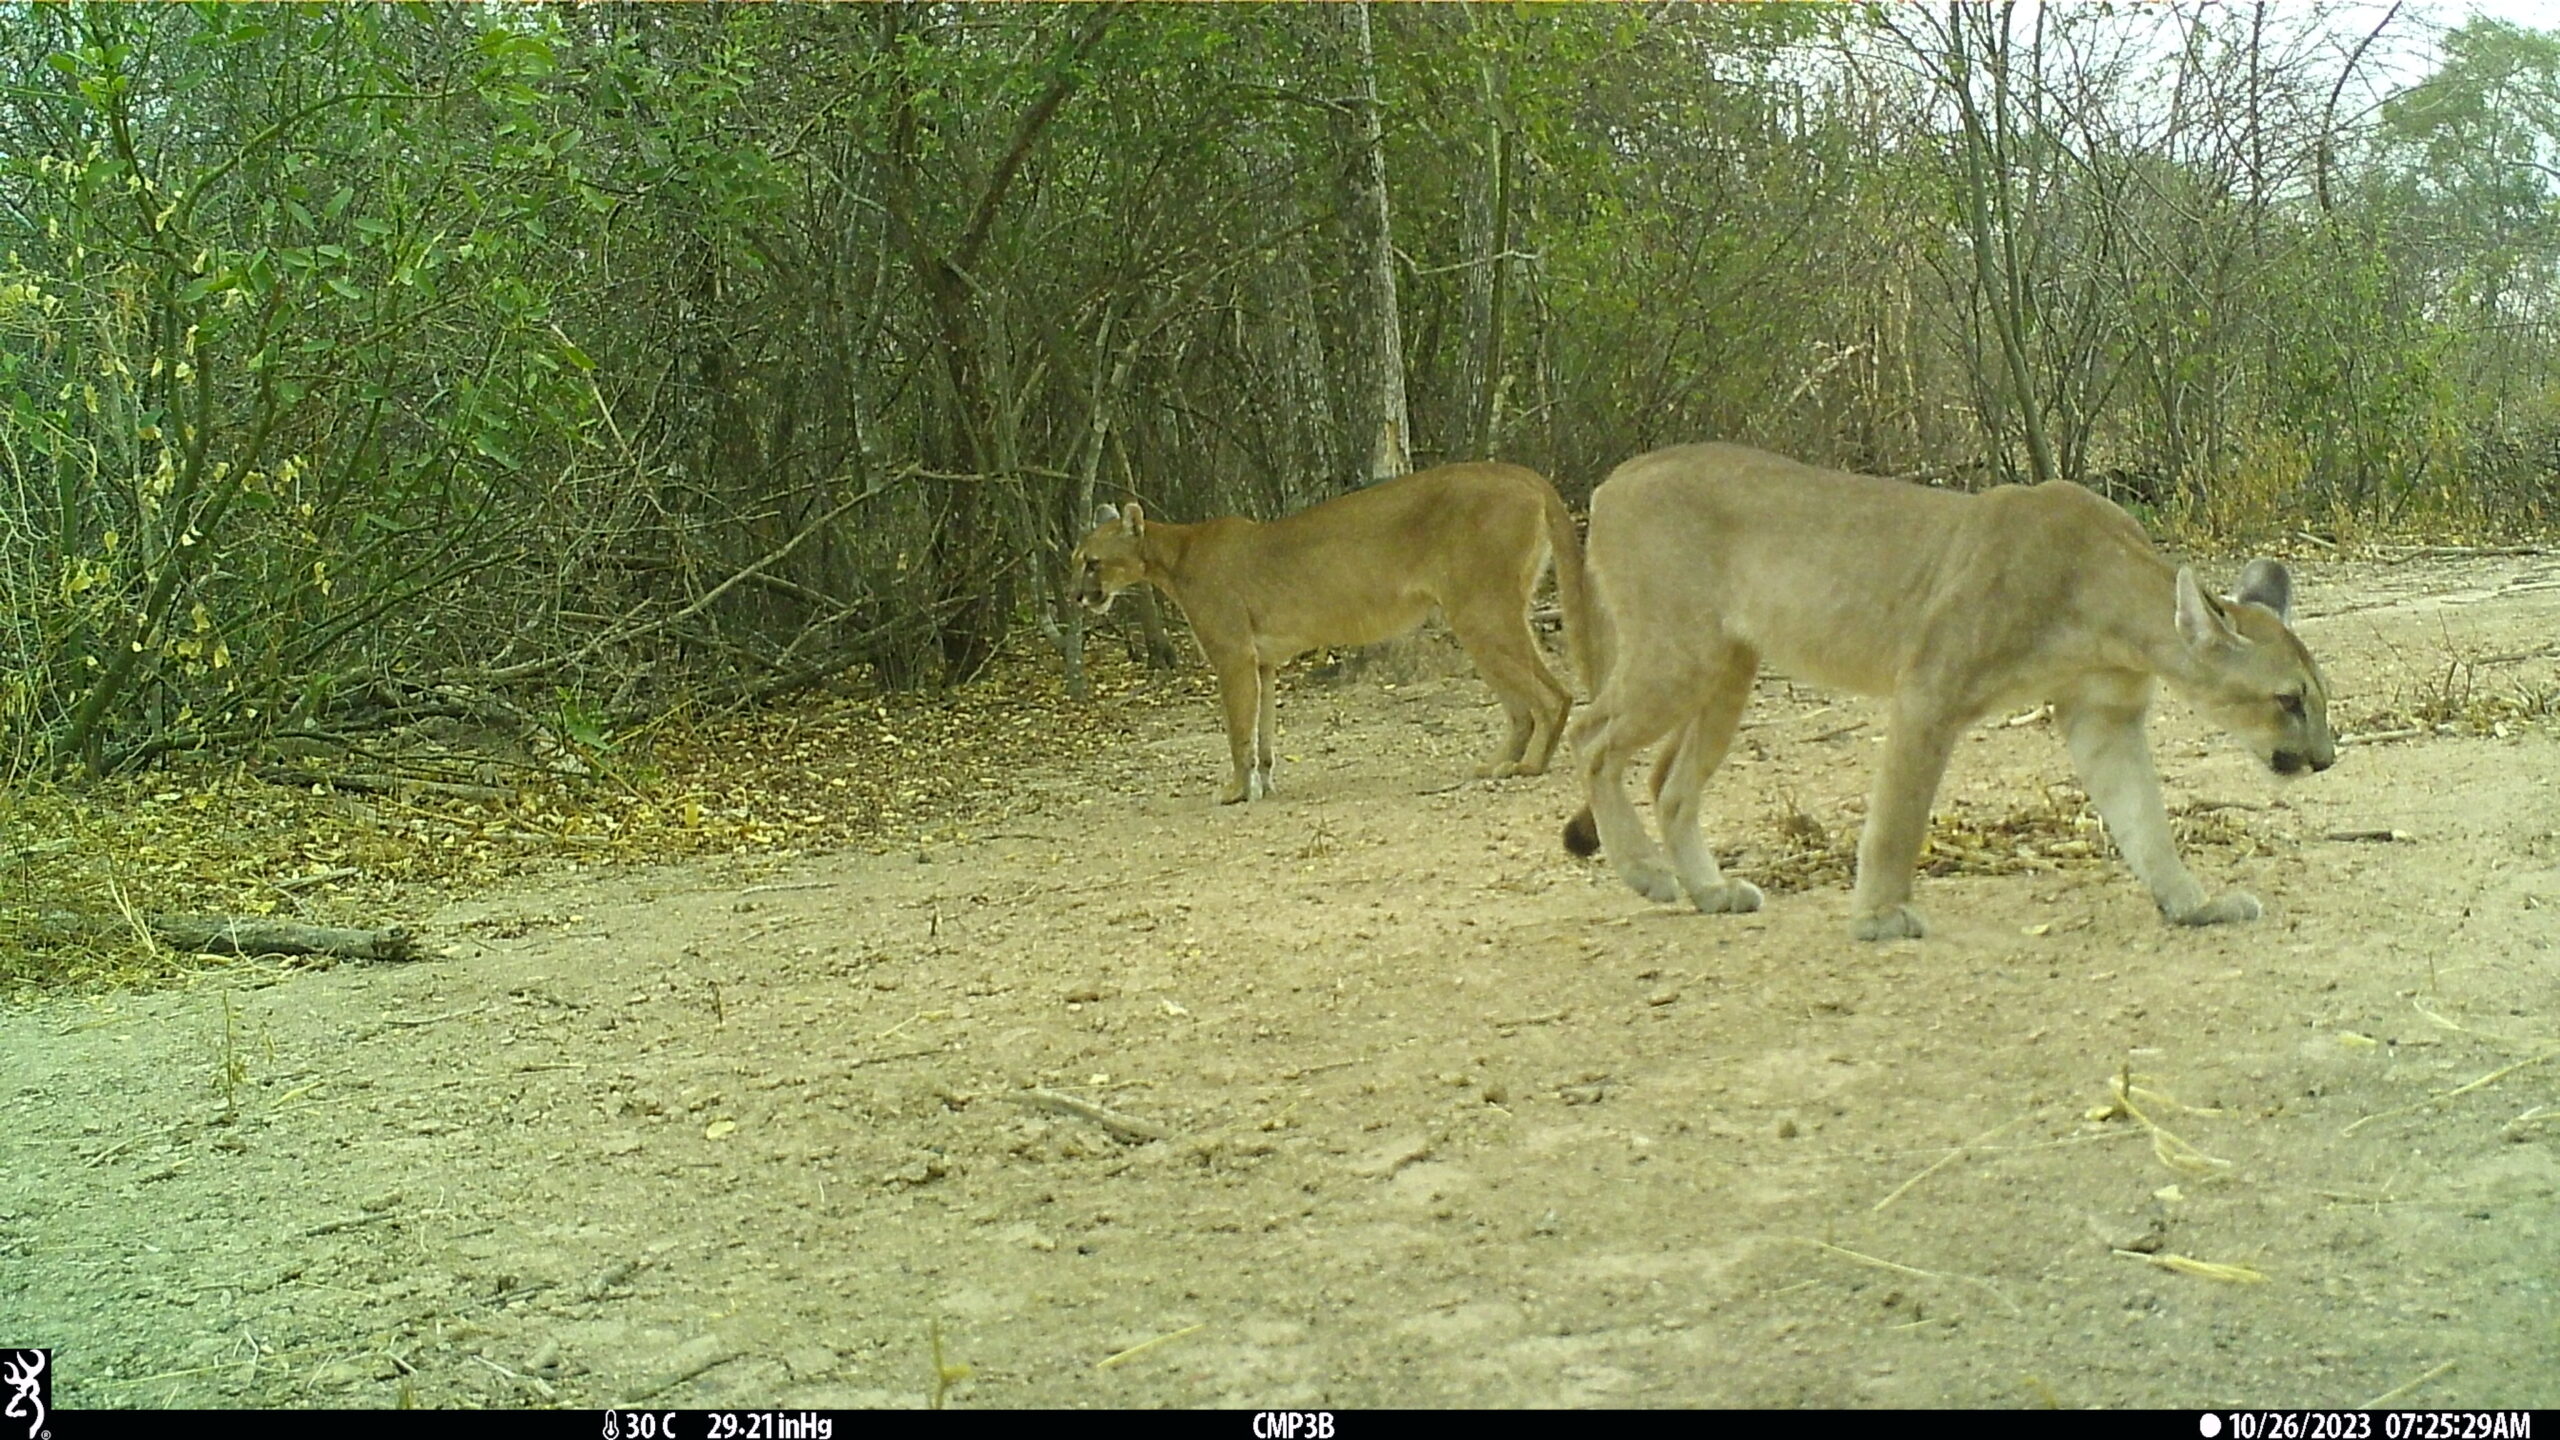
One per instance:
(1360,568)
(1707,561)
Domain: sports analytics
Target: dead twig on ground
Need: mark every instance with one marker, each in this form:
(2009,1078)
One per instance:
(2485,1081)
(2396,1391)
(1120,1127)
(1916,1270)
(1945,1160)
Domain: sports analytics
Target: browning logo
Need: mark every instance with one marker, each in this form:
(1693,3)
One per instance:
(26,1379)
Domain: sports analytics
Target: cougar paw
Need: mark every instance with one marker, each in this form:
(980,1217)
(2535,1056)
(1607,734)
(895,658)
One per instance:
(1652,881)
(1727,897)
(1900,922)
(2231,907)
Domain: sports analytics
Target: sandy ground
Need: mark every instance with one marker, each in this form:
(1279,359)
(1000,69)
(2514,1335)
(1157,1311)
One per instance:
(1446,1117)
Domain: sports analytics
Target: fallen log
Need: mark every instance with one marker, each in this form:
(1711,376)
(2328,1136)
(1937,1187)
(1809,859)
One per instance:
(252,935)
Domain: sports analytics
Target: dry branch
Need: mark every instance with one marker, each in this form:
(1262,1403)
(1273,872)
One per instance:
(634,629)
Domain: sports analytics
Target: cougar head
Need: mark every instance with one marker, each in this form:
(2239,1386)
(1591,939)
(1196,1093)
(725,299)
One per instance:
(2251,674)
(1106,560)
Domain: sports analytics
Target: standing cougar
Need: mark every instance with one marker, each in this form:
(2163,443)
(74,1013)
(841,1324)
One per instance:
(1357,569)
(1707,560)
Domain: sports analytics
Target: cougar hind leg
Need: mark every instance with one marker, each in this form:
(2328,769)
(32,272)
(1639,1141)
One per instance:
(1680,785)
(1497,638)
(1266,726)
(1621,722)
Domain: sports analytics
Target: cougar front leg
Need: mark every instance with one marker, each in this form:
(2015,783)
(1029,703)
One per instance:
(1239,694)
(1915,759)
(2114,760)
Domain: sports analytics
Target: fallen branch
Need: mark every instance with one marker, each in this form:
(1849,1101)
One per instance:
(397,786)
(2379,737)
(2464,552)
(205,935)
(2515,656)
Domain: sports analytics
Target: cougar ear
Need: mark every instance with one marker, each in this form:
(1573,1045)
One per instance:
(1104,515)
(1134,518)
(2264,582)
(2201,622)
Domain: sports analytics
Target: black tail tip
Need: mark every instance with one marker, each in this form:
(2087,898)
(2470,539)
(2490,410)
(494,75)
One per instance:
(1582,835)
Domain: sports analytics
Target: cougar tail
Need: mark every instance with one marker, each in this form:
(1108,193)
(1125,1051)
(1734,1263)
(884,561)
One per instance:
(1586,640)
(1582,638)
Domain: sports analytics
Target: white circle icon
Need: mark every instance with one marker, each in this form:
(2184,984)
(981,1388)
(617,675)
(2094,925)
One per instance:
(2209,1425)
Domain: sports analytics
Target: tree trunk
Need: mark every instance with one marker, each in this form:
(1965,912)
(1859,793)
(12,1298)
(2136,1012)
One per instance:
(1068,632)
(971,594)
(1161,657)
(1390,442)
(1489,367)
(1291,345)
(1489,282)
